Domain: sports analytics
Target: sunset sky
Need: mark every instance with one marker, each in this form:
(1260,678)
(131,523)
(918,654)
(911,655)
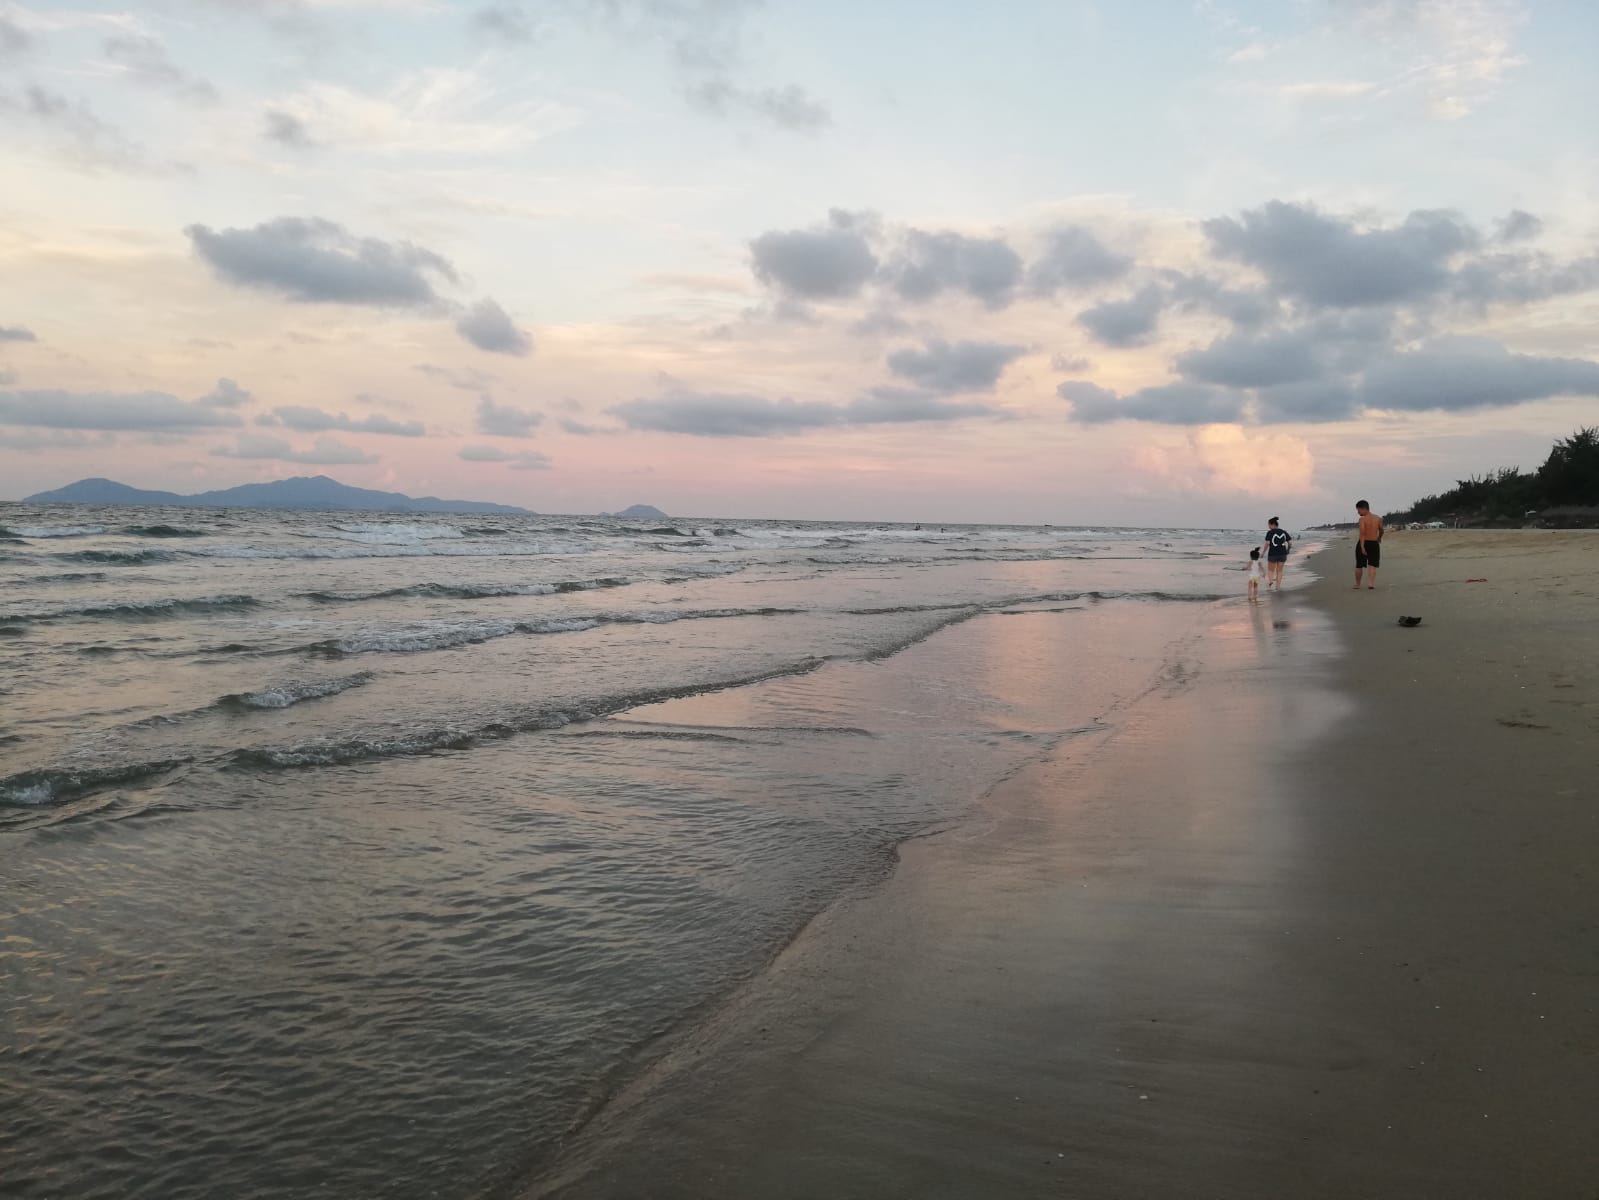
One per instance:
(1164,262)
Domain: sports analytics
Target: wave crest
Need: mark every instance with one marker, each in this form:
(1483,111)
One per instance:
(53,785)
(285,695)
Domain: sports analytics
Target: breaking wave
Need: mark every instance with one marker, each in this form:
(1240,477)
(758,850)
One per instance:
(435,548)
(144,609)
(51,531)
(63,577)
(162,531)
(464,591)
(33,789)
(284,695)
(118,558)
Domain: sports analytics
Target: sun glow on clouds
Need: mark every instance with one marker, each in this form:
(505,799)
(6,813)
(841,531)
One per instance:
(1221,459)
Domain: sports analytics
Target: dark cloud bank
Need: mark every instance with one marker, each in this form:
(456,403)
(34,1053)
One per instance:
(1326,317)
(1346,320)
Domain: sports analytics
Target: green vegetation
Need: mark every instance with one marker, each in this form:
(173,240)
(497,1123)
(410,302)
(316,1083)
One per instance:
(1556,494)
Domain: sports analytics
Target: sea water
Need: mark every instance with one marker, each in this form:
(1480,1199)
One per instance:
(359,854)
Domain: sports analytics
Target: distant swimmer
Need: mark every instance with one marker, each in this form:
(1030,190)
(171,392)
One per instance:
(1368,545)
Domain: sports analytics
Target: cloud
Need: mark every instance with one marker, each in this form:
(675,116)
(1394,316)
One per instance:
(54,409)
(286,129)
(1244,307)
(732,414)
(827,263)
(325,451)
(1125,323)
(1328,262)
(468,379)
(445,111)
(578,428)
(1308,400)
(16,333)
(14,39)
(928,264)
(955,366)
(7,378)
(508,21)
(1334,369)
(1166,404)
(790,107)
(312,260)
(488,327)
(1069,364)
(1516,226)
(880,323)
(144,61)
(313,420)
(1456,373)
(1224,458)
(1461,49)
(502,420)
(524,460)
(226,394)
(83,139)
(1248,361)
(55,439)
(1074,257)
(704,40)
(1522,278)
(725,414)
(891,406)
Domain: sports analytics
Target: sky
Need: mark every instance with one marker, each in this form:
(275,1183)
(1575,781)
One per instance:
(1157,262)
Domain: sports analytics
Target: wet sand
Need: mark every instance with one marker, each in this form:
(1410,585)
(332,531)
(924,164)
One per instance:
(1313,917)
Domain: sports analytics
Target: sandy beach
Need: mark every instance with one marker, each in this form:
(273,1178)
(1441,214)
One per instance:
(1314,916)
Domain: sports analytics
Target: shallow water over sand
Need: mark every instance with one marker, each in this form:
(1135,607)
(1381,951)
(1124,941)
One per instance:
(344,862)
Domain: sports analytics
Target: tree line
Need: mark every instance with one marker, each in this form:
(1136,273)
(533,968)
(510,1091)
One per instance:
(1568,480)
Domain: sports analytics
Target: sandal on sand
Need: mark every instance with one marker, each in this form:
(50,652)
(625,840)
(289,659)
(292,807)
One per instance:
(1410,622)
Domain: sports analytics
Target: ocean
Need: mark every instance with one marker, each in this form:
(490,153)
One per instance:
(363,855)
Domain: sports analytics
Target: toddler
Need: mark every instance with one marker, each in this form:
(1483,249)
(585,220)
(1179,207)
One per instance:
(1257,572)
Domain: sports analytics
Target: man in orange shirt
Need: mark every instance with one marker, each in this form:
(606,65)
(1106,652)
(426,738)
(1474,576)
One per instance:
(1368,545)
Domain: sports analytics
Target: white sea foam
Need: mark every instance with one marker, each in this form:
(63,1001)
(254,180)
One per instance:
(284,695)
(384,533)
(55,531)
(444,548)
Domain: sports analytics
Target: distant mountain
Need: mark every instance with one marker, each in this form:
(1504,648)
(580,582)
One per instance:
(304,491)
(647,511)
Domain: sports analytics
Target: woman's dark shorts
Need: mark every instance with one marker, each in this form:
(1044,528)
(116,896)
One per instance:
(1368,554)
(1276,556)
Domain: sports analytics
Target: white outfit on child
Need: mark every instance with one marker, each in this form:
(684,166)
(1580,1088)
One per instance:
(1257,569)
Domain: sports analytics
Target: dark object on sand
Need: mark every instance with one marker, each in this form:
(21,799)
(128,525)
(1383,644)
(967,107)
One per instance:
(1410,622)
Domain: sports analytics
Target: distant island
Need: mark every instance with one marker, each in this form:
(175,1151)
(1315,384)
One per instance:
(303,491)
(646,511)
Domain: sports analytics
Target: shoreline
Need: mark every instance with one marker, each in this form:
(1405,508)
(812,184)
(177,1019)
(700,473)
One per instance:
(1193,958)
(718,1115)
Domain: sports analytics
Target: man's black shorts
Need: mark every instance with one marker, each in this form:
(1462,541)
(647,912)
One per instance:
(1368,554)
